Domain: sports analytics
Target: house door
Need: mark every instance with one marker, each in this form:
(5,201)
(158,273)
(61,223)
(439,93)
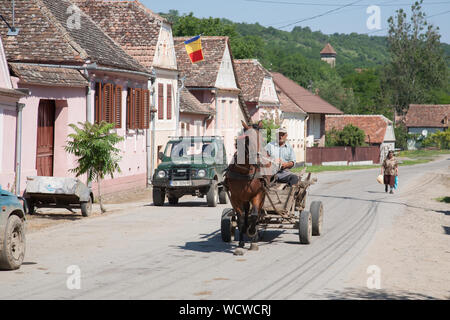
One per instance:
(45,138)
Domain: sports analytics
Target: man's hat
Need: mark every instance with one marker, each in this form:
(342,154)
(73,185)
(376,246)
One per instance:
(282,130)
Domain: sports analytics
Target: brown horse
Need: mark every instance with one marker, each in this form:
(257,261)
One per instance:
(245,180)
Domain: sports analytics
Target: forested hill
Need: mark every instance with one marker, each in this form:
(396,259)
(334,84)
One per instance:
(358,84)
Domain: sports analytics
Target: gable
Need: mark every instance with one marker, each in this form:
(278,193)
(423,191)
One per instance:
(165,52)
(225,77)
(5,79)
(268,93)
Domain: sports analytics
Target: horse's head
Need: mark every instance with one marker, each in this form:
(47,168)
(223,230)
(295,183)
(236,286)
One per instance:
(250,145)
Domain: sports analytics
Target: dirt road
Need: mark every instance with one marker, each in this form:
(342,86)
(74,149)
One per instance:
(177,253)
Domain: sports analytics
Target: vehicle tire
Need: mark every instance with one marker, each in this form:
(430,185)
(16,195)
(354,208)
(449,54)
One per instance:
(305,227)
(30,207)
(212,197)
(159,196)
(13,251)
(226,227)
(173,200)
(316,210)
(223,199)
(86,208)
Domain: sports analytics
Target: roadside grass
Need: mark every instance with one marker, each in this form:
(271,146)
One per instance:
(443,199)
(417,154)
(316,169)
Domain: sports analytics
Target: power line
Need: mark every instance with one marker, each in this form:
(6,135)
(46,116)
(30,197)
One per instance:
(320,15)
(339,5)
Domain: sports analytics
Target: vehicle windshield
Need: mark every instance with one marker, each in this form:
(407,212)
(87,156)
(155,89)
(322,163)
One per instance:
(193,149)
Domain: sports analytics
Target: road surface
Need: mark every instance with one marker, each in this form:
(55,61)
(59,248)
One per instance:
(176,252)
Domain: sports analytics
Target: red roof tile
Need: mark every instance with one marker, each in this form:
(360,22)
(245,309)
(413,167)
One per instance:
(374,126)
(328,50)
(251,75)
(132,25)
(307,101)
(190,105)
(428,116)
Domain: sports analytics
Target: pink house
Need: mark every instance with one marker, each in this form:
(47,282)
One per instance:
(214,83)
(10,122)
(74,72)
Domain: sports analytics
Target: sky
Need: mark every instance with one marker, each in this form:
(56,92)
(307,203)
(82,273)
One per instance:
(328,16)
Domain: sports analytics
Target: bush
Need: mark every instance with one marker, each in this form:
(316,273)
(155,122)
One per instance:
(350,136)
(401,137)
(439,139)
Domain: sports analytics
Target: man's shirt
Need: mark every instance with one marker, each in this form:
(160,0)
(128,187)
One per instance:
(284,152)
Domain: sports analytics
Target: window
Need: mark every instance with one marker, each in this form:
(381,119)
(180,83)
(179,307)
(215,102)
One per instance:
(108,103)
(138,109)
(169,102)
(160,101)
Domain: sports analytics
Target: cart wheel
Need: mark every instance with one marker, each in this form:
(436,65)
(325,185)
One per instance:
(317,217)
(13,251)
(226,229)
(212,196)
(159,196)
(86,208)
(223,197)
(305,227)
(173,200)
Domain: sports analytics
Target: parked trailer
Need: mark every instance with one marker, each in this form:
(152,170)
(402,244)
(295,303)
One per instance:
(58,192)
(284,208)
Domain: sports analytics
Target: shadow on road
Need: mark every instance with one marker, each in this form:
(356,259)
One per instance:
(188,204)
(446,229)
(366,294)
(58,216)
(380,201)
(212,242)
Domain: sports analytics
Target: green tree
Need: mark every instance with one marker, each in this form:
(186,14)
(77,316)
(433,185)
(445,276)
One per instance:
(350,136)
(417,61)
(94,147)
(439,139)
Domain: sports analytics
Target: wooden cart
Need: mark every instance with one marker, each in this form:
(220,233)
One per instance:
(284,208)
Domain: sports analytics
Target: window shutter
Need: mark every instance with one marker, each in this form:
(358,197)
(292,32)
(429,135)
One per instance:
(138,109)
(160,101)
(98,102)
(118,106)
(108,104)
(129,108)
(146,106)
(169,102)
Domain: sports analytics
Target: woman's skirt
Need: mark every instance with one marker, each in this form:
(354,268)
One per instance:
(389,180)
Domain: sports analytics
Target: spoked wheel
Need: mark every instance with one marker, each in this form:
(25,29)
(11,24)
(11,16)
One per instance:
(13,251)
(226,226)
(305,227)
(317,217)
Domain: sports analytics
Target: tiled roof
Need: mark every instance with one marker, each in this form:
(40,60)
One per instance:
(32,74)
(328,50)
(250,75)
(129,23)
(373,125)
(287,105)
(307,101)
(190,104)
(428,116)
(204,73)
(45,36)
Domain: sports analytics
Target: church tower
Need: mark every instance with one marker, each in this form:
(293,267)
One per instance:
(328,55)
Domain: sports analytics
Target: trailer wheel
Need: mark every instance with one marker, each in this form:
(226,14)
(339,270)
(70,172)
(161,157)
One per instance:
(226,227)
(317,217)
(13,251)
(30,207)
(86,208)
(305,227)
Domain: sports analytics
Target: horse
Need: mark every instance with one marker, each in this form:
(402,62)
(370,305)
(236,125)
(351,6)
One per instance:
(245,181)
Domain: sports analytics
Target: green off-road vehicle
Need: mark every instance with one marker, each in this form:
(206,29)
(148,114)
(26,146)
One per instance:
(191,166)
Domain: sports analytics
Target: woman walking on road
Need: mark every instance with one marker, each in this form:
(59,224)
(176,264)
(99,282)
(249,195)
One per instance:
(390,170)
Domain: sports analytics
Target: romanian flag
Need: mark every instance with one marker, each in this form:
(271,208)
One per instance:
(194,49)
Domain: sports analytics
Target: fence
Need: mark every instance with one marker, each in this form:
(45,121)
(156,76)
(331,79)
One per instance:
(320,155)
